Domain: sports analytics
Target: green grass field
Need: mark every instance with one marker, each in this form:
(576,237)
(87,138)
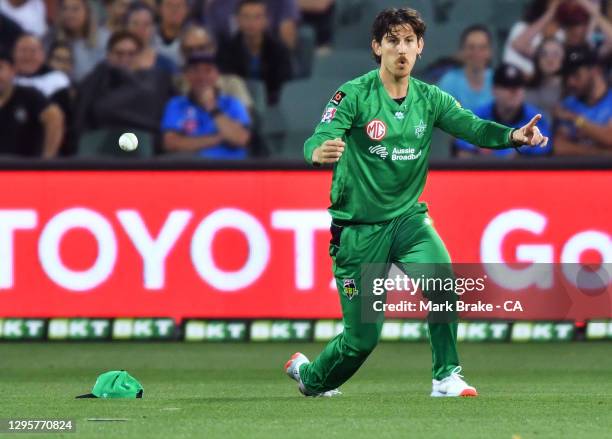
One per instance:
(239,390)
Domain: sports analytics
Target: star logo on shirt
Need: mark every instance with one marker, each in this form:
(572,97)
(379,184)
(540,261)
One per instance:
(419,129)
(399,115)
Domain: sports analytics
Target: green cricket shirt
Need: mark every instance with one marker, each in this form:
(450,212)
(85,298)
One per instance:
(383,170)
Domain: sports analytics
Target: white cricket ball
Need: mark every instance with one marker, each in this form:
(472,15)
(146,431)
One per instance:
(128,142)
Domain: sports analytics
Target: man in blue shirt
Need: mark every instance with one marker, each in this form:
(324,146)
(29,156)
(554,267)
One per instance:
(471,84)
(205,121)
(508,108)
(585,116)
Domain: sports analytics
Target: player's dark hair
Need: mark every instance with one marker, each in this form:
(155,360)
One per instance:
(388,19)
(472,29)
(121,35)
(242,3)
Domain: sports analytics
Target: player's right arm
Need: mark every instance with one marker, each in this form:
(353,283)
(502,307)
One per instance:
(326,145)
(464,124)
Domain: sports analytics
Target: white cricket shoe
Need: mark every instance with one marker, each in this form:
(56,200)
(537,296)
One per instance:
(453,385)
(292,369)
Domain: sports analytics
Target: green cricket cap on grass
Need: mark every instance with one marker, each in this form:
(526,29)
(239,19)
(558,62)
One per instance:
(115,384)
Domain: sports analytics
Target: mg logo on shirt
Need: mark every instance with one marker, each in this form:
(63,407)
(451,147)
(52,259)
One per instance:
(376,129)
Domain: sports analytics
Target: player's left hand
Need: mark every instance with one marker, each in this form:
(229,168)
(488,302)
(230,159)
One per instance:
(530,134)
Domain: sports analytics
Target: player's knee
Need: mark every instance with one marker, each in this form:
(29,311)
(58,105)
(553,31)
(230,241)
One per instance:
(363,346)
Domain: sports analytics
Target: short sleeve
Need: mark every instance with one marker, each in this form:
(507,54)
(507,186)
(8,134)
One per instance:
(36,102)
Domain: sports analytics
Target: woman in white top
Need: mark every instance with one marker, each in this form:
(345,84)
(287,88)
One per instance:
(539,22)
(545,88)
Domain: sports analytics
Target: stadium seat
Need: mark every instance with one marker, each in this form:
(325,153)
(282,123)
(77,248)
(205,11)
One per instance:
(270,123)
(304,53)
(343,64)
(353,24)
(273,129)
(348,12)
(301,106)
(103,142)
(257,90)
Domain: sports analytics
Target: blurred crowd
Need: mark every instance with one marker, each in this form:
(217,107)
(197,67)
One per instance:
(555,62)
(74,74)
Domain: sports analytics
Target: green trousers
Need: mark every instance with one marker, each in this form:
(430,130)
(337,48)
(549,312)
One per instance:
(409,239)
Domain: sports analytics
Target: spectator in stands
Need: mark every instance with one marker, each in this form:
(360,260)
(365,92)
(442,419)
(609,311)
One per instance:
(172,19)
(539,22)
(283,20)
(119,95)
(205,121)
(253,53)
(141,22)
(216,15)
(585,117)
(9,32)
(30,125)
(581,19)
(116,10)
(123,50)
(575,22)
(219,17)
(319,14)
(471,85)
(508,108)
(60,58)
(197,39)
(32,71)
(545,87)
(77,27)
(30,15)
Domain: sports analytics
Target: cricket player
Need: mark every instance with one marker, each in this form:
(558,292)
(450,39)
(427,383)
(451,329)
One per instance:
(376,130)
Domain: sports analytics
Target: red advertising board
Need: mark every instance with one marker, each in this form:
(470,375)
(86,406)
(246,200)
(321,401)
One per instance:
(251,244)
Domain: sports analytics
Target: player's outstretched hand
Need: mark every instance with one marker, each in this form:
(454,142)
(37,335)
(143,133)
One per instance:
(530,134)
(329,152)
